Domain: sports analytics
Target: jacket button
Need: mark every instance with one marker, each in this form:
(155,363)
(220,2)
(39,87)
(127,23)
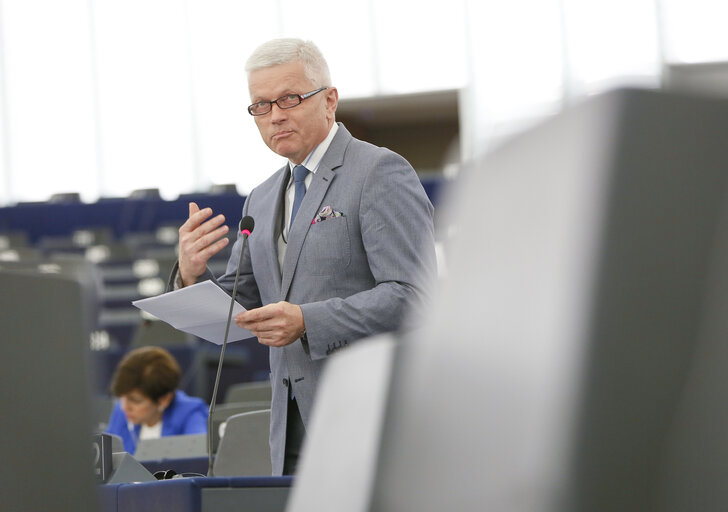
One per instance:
(285,382)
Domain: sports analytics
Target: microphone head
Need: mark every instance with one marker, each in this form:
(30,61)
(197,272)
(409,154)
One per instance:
(246,225)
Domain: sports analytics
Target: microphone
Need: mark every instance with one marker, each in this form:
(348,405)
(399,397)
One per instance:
(245,228)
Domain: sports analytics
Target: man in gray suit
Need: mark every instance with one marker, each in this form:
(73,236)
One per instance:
(343,242)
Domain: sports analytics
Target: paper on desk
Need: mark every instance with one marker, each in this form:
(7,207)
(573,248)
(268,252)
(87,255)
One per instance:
(200,309)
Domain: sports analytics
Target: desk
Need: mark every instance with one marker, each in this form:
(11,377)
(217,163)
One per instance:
(266,494)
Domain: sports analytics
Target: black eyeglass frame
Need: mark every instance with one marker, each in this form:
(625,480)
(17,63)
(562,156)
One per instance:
(300,97)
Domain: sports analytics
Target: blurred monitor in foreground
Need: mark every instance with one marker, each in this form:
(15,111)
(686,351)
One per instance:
(575,358)
(46,316)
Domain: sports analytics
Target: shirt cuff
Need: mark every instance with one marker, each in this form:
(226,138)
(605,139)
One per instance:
(178,282)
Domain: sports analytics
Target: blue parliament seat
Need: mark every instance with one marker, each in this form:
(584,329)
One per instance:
(141,213)
(121,215)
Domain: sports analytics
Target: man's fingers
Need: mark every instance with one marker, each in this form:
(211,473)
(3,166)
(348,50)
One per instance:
(199,256)
(209,238)
(213,249)
(196,230)
(198,218)
(260,314)
(194,220)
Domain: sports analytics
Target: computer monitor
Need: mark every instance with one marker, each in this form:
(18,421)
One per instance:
(46,315)
(575,356)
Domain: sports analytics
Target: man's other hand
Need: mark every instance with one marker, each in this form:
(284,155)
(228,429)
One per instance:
(275,325)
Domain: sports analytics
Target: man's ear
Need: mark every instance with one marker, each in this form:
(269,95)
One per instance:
(332,100)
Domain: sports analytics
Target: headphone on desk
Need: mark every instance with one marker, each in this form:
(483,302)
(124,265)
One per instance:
(169,474)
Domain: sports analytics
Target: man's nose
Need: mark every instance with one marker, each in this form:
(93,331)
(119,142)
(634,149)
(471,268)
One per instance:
(277,113)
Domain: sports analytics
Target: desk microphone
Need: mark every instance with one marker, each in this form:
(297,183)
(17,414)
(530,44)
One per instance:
(245,229)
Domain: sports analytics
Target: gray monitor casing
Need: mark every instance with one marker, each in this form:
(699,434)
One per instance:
(575,356)
(45,320)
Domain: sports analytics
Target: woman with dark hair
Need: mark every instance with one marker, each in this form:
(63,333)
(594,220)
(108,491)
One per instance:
(150,405)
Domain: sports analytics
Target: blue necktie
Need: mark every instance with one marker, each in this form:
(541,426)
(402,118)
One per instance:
(299,176)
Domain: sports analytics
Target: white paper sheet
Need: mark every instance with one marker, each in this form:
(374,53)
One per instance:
(200,309)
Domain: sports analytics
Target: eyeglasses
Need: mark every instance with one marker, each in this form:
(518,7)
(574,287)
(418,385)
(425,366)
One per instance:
(287,101)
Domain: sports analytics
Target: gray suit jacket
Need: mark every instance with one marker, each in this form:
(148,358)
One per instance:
(353,275)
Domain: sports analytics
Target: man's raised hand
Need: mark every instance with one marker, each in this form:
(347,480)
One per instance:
(200,238)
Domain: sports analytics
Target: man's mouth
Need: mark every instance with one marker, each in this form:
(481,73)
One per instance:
(282,134)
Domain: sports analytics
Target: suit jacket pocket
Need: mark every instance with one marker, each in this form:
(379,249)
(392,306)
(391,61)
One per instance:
(327,249)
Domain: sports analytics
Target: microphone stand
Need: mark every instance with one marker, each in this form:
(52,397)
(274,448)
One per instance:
(245,233)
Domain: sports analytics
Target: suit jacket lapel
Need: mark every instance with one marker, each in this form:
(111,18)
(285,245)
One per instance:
(311,203)
(274,223)
(320,184)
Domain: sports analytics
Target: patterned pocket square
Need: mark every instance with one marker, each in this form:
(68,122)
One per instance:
(326,213)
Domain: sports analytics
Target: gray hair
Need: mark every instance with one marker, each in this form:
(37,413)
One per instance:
(283,51)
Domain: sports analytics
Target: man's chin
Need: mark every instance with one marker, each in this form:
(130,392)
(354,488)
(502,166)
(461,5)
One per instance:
(284,149)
